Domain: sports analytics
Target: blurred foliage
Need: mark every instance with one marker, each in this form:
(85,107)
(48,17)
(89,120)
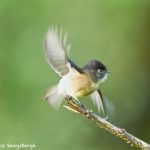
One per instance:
(115,32)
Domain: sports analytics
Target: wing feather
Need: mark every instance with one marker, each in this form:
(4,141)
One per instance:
(97,99)
(56,48)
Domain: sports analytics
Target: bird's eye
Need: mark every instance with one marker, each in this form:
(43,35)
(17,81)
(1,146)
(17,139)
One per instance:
(99,71)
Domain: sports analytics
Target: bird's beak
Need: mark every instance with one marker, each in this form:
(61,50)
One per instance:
(108,72)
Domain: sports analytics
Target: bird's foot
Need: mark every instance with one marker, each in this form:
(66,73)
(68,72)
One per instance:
(68,97)
(106,117)
(74,101)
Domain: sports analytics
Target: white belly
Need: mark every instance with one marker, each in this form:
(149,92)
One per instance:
(66,85)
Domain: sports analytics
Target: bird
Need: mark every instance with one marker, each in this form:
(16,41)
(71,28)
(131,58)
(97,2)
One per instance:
(75,81)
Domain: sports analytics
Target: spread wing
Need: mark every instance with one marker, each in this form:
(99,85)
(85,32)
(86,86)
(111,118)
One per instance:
(97,99)
(56,49)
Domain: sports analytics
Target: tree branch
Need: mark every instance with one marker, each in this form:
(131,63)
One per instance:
(77,107)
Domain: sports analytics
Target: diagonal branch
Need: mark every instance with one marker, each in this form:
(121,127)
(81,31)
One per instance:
(77,107)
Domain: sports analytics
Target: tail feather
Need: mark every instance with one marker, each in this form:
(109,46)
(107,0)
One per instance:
(54,97)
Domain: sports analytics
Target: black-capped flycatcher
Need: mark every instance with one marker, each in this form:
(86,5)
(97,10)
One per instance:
(75,81)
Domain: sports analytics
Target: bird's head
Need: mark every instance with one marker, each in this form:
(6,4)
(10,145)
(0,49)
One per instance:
(96,70)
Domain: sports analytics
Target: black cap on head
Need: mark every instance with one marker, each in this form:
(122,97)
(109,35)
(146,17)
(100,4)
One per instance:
(95,69)
(94,64)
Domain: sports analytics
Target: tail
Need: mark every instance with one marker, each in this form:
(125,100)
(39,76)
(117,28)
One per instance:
(54,97)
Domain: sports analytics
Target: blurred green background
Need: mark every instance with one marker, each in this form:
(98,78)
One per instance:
(117,32)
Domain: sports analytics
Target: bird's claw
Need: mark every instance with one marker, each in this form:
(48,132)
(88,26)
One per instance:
(73,100)
(68,97)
